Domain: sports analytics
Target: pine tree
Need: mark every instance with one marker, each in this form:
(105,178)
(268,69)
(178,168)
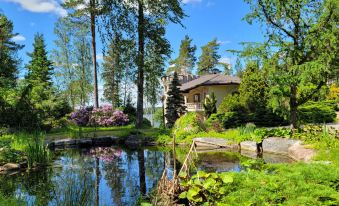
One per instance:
(8,49)
(210,105)
(186,59)
(175,102)
(209,58)
(40,68)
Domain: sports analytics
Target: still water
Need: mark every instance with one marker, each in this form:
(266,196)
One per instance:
(105,176)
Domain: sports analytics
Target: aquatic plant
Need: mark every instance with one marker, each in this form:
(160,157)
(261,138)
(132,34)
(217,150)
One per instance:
(37,154)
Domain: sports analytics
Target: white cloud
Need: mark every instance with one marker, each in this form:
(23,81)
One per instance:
(191,1)
(100,57)
(32,24)
(225,60)
(223,42)
(41,6)
(18,38)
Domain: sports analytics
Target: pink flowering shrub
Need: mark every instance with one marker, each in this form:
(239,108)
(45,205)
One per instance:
(81,116)
(106,116)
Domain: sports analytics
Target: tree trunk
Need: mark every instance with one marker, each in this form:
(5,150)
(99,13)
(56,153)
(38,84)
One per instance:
(142,177)
(94,55)
(97,181)
(293,107)
(140,77)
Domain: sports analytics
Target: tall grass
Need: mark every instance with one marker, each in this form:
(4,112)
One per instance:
(37,154)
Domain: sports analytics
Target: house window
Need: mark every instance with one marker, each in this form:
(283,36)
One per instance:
(197,98)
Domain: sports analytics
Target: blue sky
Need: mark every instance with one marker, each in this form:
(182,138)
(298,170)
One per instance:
(207,19)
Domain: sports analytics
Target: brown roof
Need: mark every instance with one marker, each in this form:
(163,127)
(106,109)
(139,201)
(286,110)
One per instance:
(210,79)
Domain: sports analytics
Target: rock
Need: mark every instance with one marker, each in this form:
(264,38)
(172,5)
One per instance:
(249,145)
(105,140)
(278,145)
(84,142)
(249,153)
(299,152)
(215,143)
(133,141)
(10,166)
(276,158)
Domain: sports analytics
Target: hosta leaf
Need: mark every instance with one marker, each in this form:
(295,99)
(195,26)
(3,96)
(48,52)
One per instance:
(183,195)
(192,192)
(226,178)
(202,174)
(210,182)
(182,175)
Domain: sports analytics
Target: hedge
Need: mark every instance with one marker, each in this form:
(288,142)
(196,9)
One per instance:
(316,113)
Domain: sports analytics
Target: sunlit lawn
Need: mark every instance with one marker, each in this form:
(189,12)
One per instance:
(89,132)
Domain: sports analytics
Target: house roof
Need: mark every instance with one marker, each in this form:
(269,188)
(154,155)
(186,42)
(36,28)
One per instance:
(210,79)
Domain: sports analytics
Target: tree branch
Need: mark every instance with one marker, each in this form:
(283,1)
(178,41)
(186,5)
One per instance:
(306,98)
(273,22)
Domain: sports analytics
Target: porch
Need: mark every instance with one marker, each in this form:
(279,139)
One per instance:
(194,107)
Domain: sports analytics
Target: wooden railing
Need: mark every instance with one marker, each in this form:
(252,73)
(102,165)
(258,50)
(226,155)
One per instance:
(193,107)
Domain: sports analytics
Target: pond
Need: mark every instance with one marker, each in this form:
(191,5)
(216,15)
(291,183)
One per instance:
(105,176)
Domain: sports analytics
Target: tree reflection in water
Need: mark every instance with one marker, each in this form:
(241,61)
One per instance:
(97,176)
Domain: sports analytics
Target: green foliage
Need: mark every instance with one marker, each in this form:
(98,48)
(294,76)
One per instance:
(321,137)
(231,103)
(186,59)
(40,67)
(294,53)
(8,60)
(37,154)
(186,125)
(316,113)
(72,57)
(213,123)
(10,155)
(206,187)
(146,123)
(210,105)
(266,185)
(209,58)
(233,112)
(175,102)
(253,88)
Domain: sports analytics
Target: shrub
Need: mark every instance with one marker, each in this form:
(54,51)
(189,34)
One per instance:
(146,123)
(213,123)
(81,117)
(333,93)
(233,119)
(106,116)
(186,125)
(316,113)
(231,103)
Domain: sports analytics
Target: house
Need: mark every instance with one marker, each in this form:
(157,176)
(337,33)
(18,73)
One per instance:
(196,88)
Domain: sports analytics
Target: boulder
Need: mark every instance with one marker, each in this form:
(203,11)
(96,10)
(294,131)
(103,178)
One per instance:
(10,166)
(249,145)
(133,141)
(84,142)
(104,140)
(278,145)
(214,143)
(300,152)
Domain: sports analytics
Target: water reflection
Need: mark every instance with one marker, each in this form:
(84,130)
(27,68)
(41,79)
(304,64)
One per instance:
(104,176)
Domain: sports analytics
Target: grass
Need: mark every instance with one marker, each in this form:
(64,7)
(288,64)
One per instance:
(90,132)
(21,146)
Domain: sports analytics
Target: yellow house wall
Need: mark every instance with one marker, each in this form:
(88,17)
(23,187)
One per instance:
(221,91)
